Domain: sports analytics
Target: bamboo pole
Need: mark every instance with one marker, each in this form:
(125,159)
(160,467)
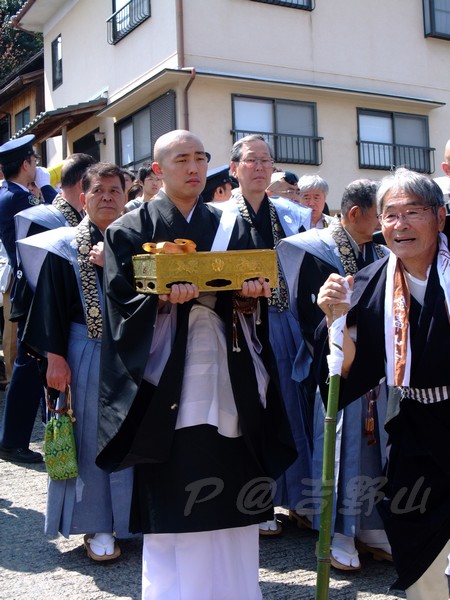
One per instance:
(326,502)
(335,361)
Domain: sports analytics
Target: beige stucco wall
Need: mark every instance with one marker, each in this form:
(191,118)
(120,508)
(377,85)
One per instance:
(377,47)
(92,66)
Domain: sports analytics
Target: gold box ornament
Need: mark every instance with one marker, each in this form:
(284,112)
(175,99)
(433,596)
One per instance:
(167,263)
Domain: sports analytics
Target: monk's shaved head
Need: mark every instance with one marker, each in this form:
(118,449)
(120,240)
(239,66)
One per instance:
(166,142)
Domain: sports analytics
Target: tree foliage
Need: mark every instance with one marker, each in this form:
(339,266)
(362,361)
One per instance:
(16,46)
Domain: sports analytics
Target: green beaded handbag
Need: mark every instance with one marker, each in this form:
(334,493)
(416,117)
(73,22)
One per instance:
(60,453)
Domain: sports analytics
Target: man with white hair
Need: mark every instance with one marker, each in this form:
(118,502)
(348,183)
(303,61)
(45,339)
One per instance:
(313,191)
(400,318)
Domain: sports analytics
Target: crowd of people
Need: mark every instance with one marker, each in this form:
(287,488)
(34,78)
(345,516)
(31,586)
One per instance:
(199,412)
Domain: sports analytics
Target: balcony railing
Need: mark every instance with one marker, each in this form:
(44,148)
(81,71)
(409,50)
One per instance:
(127,18)
(288,148)
(303,4)
(376,155)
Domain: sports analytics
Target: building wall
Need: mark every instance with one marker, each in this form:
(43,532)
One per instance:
(91,66)
(375,47)
(27,99)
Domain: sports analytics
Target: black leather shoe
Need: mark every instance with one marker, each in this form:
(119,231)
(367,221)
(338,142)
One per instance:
(20,455)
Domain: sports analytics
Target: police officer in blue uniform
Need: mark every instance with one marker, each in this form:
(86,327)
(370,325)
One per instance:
(18,161)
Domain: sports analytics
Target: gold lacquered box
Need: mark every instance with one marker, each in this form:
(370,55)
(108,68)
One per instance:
(209,271)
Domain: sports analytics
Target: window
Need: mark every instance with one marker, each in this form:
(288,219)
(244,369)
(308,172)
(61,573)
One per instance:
(303,4)
(289,127)
(22,119)
(88,145)
(436,16)
(57,62)
(387,140)
(127,15)
(138,133)
(4,129)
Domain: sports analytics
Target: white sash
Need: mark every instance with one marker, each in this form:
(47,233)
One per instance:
(224,231)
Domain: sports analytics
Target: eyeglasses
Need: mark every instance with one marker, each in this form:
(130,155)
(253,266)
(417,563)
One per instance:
(410,215)
(251,163)
(288,193)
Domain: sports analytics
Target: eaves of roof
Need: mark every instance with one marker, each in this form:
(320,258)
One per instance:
(50,123)
(17,85)
(169,77)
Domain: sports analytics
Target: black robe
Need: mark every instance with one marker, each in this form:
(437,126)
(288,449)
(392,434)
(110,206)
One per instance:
(418,469)
(56,304)
(137,420)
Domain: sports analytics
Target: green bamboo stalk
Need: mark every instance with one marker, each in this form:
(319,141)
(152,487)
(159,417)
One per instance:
(327,489)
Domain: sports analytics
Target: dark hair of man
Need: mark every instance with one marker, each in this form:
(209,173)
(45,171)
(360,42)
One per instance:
(236,150)
(103,170)
(209,195)
(12,168)
(362,193)
(145,171)
(130,174)
(74,167)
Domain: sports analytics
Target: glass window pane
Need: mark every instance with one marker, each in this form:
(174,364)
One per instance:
(253,115)
(57,61)
(142,140)
(376,138)
(375,128)
(442,16)
(126,144)
(297,119)
(411,138)
(295,127)
(410,130)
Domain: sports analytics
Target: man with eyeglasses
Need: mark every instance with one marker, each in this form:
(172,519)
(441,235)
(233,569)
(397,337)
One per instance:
(151,184)
(271,220)
(307,259)
(186,396)
(18,161)
(400,317)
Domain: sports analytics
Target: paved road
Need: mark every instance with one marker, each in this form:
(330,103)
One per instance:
(33,567)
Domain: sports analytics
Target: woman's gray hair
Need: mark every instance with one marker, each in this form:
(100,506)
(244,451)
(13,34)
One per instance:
(414,184)
(306,183)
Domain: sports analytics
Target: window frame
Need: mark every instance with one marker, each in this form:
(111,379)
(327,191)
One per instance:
(429,21)
(22,115)
(129,120)
(5,128)
(57,67)
(396,149)
(134,12)
(308,4)
(274,138)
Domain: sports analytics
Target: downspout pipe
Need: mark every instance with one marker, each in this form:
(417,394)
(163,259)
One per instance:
(180,33)
(181,62)
(186,97)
